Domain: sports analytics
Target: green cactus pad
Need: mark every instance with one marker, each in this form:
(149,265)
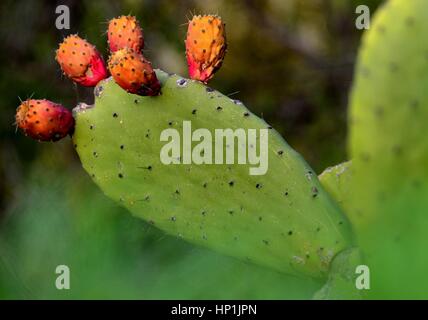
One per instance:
(389,147)
(341,283)
(336,181)
(283,219)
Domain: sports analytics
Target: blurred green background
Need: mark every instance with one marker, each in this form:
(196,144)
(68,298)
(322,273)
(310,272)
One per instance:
(290,61)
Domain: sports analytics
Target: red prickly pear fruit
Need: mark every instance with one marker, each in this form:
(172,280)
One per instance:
(133,72)
(125,32)
(44,120)
(205,46)
(80,61)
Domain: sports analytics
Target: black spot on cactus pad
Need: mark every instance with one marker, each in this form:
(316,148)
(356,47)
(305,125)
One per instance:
(393,67)
(182,83)
(410,21)
(414,104)
(314,192)
(98,91)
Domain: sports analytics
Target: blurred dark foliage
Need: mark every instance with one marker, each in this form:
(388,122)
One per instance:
(290,61)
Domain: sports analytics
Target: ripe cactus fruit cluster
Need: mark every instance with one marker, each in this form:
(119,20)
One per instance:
(133,72)
(205,46)
(125,32)
(80,61)
(129,68)
(44,120)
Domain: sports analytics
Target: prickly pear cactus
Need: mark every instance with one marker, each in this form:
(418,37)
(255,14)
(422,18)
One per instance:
(389,146)
(283,219)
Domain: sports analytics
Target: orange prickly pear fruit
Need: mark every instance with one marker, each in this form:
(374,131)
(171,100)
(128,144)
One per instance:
(80,61)
(44,120)
(205,46)
(125,32)
(133,72)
